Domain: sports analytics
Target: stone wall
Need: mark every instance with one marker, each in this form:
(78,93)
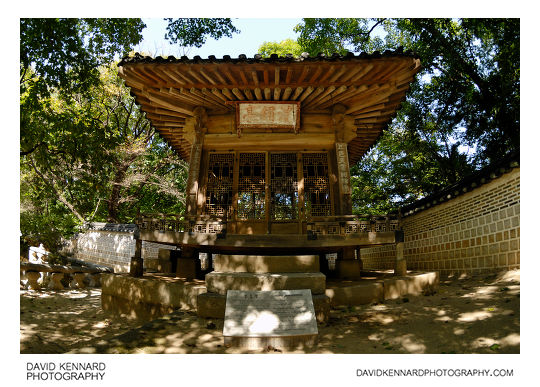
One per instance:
(103,246)
(107,248)
(475,232)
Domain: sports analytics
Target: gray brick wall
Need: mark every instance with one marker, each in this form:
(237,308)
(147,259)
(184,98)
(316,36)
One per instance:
(112,249)
(474,233)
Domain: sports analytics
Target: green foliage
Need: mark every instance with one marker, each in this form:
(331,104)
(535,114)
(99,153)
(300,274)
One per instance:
(329,36)
(67,52)
(465,98)
(101,161)
(287,46)
(87,152)
(194,32)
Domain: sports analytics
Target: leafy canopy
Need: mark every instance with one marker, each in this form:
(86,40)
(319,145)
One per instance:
(287,46)
(87,151)
(461,113)
(194,32)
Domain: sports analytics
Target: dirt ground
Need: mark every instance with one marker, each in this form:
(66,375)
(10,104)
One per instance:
(467,315)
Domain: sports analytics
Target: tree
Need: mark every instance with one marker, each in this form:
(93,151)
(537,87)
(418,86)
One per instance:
(87,151)
(103,161)
(287,46)
(329,36)
(64,55)
(193,32)
(466,97)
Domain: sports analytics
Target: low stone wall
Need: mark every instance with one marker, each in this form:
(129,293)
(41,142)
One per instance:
(149,297)
(112,245)
(476,232)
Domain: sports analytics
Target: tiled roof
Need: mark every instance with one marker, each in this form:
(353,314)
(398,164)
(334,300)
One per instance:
(274,58)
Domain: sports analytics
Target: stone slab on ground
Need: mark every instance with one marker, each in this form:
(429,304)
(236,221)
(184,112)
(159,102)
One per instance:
(281,319)
(412,284)
(356,293)
(350,293)
(212,305)
(220,282)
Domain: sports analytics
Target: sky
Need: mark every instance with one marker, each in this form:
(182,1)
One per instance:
(253,32)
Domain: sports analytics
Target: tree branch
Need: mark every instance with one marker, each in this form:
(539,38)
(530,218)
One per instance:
(59,196)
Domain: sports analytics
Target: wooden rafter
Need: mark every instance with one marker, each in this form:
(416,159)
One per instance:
(370,87)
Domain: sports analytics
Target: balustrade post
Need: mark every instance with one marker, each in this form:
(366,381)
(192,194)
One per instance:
(136,265)
(400,266)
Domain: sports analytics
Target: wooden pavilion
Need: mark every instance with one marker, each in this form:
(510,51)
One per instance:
(269,143)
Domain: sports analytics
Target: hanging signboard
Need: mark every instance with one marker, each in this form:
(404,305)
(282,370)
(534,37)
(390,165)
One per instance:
(267,115)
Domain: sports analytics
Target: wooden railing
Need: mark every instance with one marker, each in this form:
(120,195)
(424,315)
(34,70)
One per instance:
(192,224)
(329,225)
(352,224)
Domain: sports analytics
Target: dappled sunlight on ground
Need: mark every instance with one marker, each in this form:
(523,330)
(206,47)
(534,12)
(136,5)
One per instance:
(466,315)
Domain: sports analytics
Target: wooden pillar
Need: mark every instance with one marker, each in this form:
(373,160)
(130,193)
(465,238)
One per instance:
(136,264)
(301,199)
(344,178)
(267,204)
(236,178)
(192,187)
(343,173)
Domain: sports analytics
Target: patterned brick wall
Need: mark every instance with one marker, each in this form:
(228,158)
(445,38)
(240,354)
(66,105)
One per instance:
(150,250)
(473,233)
(112,249)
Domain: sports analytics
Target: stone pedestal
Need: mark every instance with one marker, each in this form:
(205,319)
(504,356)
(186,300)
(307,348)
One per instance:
(33,277)
(400,268)
(79,280)
(347,265)
(349,269)
(136,264)
(186,268)
(263,273)
(136,267)
(55,281)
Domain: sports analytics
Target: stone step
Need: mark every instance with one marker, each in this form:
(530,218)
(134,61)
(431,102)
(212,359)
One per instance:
(266,263)
(220,282)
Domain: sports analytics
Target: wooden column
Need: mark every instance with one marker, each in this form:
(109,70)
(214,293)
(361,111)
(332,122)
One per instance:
(342,158)
(236,178)
(267,206)
(344,179)
(301,200)
(359,258)
(192,187)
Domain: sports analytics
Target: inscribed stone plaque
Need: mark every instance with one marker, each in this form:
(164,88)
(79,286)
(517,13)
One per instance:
(282,318)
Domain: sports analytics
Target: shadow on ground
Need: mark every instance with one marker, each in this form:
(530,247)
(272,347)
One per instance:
(466,315)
